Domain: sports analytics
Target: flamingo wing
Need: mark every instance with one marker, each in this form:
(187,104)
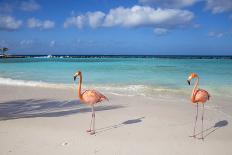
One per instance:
(201,95)
(93,96)
(102,97)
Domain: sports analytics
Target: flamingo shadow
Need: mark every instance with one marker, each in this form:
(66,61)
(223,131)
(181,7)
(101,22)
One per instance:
(128,122)
(213,128)
(31,108)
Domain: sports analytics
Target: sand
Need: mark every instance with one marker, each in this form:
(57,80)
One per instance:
(36,121)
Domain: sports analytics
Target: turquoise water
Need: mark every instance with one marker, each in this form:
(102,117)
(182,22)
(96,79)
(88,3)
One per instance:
(132,76)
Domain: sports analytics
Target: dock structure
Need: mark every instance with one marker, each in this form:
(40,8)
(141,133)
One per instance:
(10,56)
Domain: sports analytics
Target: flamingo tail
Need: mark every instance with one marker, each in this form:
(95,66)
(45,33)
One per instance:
(209,96)
(105,98)
(102,97)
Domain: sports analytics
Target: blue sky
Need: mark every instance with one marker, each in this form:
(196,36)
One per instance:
(186,27)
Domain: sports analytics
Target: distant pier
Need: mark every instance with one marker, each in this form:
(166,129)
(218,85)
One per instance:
(11,56)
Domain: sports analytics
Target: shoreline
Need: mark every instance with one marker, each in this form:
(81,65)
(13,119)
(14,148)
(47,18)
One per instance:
(46,120)
(125,56)
(120,90)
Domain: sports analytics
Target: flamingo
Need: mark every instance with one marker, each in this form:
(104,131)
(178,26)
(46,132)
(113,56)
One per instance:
(89,97)
(198,96)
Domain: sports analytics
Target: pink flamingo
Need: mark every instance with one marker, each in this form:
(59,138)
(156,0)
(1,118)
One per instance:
(198,96)
(89,97)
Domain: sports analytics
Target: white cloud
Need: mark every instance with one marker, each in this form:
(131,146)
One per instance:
(216,34)
(30,5)
(161,31)
(216,6)
(24,5)
(136,16)
(9,23)
(78,21)
(36,23)
(95,19)
(48,24)
(92,19)
(170,3)
(147,16)
(219,6)
(52,43)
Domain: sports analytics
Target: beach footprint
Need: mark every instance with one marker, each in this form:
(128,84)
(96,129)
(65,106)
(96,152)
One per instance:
(65,144)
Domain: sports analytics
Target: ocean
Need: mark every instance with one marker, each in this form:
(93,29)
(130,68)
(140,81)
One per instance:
(122,75)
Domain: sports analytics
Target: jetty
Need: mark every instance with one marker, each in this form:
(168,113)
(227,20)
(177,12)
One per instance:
(11,56)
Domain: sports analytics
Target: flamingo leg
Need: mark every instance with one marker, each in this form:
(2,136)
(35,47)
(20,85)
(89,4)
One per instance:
(89,130)
(93,131)
(194,129)
(90,127)
(202,120)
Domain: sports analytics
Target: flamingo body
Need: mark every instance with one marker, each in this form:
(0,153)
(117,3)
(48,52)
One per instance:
(91,97)
(200,96)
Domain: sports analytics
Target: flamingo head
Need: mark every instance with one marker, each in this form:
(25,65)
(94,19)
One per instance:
(78,73)
(191,76)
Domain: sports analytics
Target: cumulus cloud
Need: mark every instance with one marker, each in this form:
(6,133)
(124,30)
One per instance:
(30,5)
(216,34)
(147,16)
(216,6)
(92,19)
(24,5)
(136,16)
(48,24)
(95,19)
(9,23)
(170,3)
(36,23)
(161,31)
(219,6)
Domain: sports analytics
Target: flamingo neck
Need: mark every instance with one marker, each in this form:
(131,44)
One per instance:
(79,87)
(194,90)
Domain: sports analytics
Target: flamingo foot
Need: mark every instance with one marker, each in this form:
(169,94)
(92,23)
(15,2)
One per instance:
(193,136)
(89,130)
(92,133)
(202,138)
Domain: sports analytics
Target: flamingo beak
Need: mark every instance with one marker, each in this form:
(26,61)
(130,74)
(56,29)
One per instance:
(74,78)
(188,82)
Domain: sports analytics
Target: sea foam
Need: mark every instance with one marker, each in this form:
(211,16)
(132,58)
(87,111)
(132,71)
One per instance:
(119,90)
(15,82)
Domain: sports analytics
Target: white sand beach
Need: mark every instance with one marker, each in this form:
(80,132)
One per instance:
(36,121)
